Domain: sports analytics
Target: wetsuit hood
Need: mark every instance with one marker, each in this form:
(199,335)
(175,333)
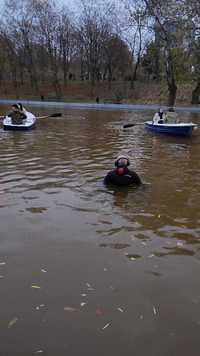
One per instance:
(122,161)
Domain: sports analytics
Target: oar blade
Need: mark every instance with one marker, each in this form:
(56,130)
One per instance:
(59,114)
(126,126)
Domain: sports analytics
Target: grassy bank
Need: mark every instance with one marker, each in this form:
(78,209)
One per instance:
(115,92)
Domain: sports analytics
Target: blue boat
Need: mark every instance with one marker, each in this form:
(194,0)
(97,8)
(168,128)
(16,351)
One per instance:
(176,129)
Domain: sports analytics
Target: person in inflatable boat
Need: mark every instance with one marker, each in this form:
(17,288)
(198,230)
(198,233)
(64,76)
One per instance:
(22,109)
(17,115)
(122,175)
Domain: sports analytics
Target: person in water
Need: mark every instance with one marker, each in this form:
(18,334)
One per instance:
(17,114)
(122,175)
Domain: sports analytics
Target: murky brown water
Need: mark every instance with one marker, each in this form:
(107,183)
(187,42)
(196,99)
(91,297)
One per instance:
(87,270)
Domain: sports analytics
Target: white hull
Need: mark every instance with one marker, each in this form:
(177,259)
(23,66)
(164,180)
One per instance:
(28,123)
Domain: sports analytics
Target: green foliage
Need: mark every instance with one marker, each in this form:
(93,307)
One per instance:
(182,64)
(151,61)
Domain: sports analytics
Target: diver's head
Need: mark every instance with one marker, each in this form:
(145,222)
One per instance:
(122,161)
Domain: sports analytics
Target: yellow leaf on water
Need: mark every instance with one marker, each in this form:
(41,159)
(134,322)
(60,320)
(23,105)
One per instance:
(12,322)
(35,286)
(70,309)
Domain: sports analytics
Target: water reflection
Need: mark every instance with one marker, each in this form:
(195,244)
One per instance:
(117,246)
(175,251)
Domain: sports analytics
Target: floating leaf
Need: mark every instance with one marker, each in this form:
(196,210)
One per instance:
(106,326)
(154,310)
(35,286)
(12,322)
(70,309)
(39,352)
(179,244)
(132,257)
(82,304)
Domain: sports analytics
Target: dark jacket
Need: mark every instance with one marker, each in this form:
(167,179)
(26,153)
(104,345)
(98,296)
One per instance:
(128,178)
(17,117)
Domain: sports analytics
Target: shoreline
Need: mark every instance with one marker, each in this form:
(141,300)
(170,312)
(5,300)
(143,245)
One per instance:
(103,107)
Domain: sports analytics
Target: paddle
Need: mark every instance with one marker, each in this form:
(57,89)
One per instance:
(52,115)
(126,126)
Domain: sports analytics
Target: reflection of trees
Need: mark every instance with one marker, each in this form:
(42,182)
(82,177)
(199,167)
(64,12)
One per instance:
(172,171)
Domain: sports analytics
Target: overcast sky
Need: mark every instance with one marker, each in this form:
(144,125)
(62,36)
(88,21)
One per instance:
(72,4)
(69,3)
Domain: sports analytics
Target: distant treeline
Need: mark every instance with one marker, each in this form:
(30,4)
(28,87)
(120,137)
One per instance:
(42,43)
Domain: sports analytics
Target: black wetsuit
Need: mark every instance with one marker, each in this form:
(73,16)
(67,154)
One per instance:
(17,117)
(127,178)
(161,119)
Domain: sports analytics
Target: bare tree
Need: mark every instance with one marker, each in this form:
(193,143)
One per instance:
(19,28)
(116,58)
(136,34)
(42,44)
(66,40)
(48,37)
(165,20)
(12,58)
(93,36)
(191,12)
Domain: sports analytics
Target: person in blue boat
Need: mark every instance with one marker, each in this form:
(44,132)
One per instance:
(122,175)
(17,114)
(159,117)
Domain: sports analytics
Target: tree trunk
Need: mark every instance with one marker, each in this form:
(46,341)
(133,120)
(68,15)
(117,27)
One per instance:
(21,76)
(157,69)
(135,71)
(33,79)
(109,76)
(171,82)
(196,93)
(65,72)
(172,89)
(65,67)
(132,82)
(57,86)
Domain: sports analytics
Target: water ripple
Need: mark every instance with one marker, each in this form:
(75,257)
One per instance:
(61,165)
